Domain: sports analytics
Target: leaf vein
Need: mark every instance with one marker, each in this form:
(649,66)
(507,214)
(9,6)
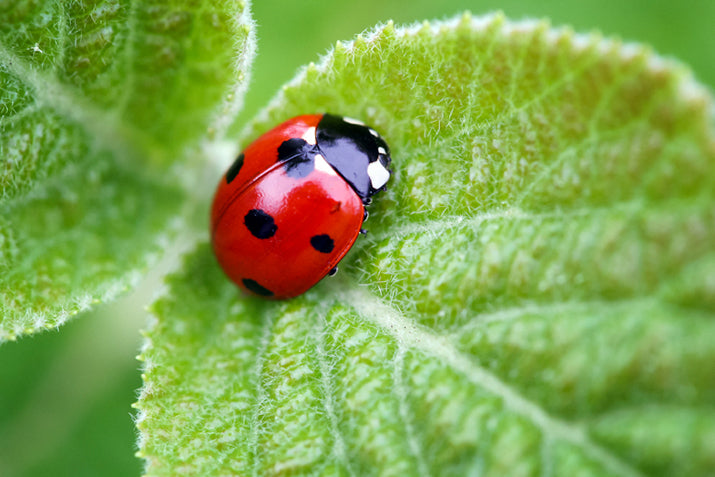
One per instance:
(255,418)
(409,335)
(436,226)
(482,320)
(594,136)
(329,396)
(49,92)
(413,442)
(130,80)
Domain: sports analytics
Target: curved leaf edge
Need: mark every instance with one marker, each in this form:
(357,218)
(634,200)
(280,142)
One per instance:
(695,94)
(190,173)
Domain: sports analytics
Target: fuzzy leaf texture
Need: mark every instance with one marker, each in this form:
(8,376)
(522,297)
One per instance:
(98,101)
(535,295)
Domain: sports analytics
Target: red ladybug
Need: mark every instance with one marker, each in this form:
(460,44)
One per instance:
(293,203)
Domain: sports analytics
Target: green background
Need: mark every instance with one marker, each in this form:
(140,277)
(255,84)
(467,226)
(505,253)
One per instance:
(65,396)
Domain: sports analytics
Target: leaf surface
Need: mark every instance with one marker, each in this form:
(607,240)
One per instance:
(100,102)
(535,295)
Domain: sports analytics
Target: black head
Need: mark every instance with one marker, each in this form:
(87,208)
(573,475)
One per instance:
(356,152)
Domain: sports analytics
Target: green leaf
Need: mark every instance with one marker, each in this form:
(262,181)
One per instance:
(99,104)
(535,295)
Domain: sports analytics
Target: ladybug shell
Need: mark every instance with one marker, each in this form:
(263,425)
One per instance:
(277,229)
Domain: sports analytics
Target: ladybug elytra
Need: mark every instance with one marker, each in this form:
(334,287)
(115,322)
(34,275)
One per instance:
(292,204)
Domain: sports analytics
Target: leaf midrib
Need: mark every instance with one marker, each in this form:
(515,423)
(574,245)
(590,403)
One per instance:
(408,335)
(48,92)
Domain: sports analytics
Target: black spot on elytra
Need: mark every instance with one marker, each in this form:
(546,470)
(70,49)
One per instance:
(322,243)
(234,169)
(298,156)
(253,286)
(260,224)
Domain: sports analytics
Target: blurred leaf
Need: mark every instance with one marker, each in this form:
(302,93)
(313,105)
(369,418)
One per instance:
(65,399)
(534,296)
(97,101)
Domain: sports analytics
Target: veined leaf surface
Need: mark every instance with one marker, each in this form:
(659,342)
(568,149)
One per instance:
(98,100)
(535,295)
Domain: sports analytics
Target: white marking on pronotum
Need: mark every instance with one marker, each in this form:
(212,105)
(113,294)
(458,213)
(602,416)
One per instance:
(378,174)
(353,121)
(373,132)
(381,150)
(322,165)
(309,136)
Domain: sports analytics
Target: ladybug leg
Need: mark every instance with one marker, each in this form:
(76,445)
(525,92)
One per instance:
(365,215)
(363,231)
(333,271)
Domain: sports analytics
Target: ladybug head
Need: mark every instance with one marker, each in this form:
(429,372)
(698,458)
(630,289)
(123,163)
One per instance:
(356,152)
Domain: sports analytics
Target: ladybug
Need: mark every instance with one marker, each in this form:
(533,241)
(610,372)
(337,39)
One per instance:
(292,204)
